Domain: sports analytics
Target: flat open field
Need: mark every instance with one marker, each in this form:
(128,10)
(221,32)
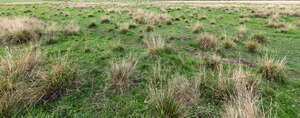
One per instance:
(149,59)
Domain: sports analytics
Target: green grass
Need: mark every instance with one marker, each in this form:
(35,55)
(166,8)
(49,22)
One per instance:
(88,100)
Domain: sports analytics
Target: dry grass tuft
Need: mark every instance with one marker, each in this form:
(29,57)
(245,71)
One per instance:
(253,46)
(297,23)
(105,20)
(206,41)
(124,27)
(243,106)
(187,93)
(26,80)
(213,21)
(242,30)
(260,38)
(228,44)
(20,30)
(275,24)
(149,28)
(120,73)
(156,43)
(71,29)
(152,18)
(164,104)
(244,100)
(272,69)
(261,13)
(170,100)
(213,63)
(197,28)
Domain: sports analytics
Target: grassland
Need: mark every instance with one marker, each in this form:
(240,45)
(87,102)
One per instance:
(153,59)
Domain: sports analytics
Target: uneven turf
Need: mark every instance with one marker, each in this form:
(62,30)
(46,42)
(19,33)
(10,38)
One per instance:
(154,44)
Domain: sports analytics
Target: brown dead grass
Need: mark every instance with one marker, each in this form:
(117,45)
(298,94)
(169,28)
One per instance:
(26,81)
(20,30)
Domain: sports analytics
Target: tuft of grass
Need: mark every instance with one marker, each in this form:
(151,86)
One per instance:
(206,41)
(242,32)
(164,104)
(275,24)
(92,25)
(297,23)
(105,20)
(120,73)
(244,100)
(253,46)
(26,80)
(71,29)
(197,28)
(186,93)
(272,69)
(203,17)
(261,14)
(132,25)
(149,28)
(172,99)
(151,18)
(21,30)
(124,27)
(243,106)
(169,22)
(260,38)
(228,44)
(213,63)
(213,21)
(156,43)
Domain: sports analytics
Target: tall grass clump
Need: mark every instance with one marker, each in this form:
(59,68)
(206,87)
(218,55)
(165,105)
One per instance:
(206,41)
(172,99)
(228,44)
(272,69)
(71,29)
(124,27)
(259,37)
(27,80)
(243,106)
(244,102)
(197,28)
(157,45)
(105,20)
(119,74)
(253,46)
(242,32)
(151,18)
(164,104)
(20,30)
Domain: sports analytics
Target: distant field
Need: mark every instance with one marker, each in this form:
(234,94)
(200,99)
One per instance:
(149,59)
